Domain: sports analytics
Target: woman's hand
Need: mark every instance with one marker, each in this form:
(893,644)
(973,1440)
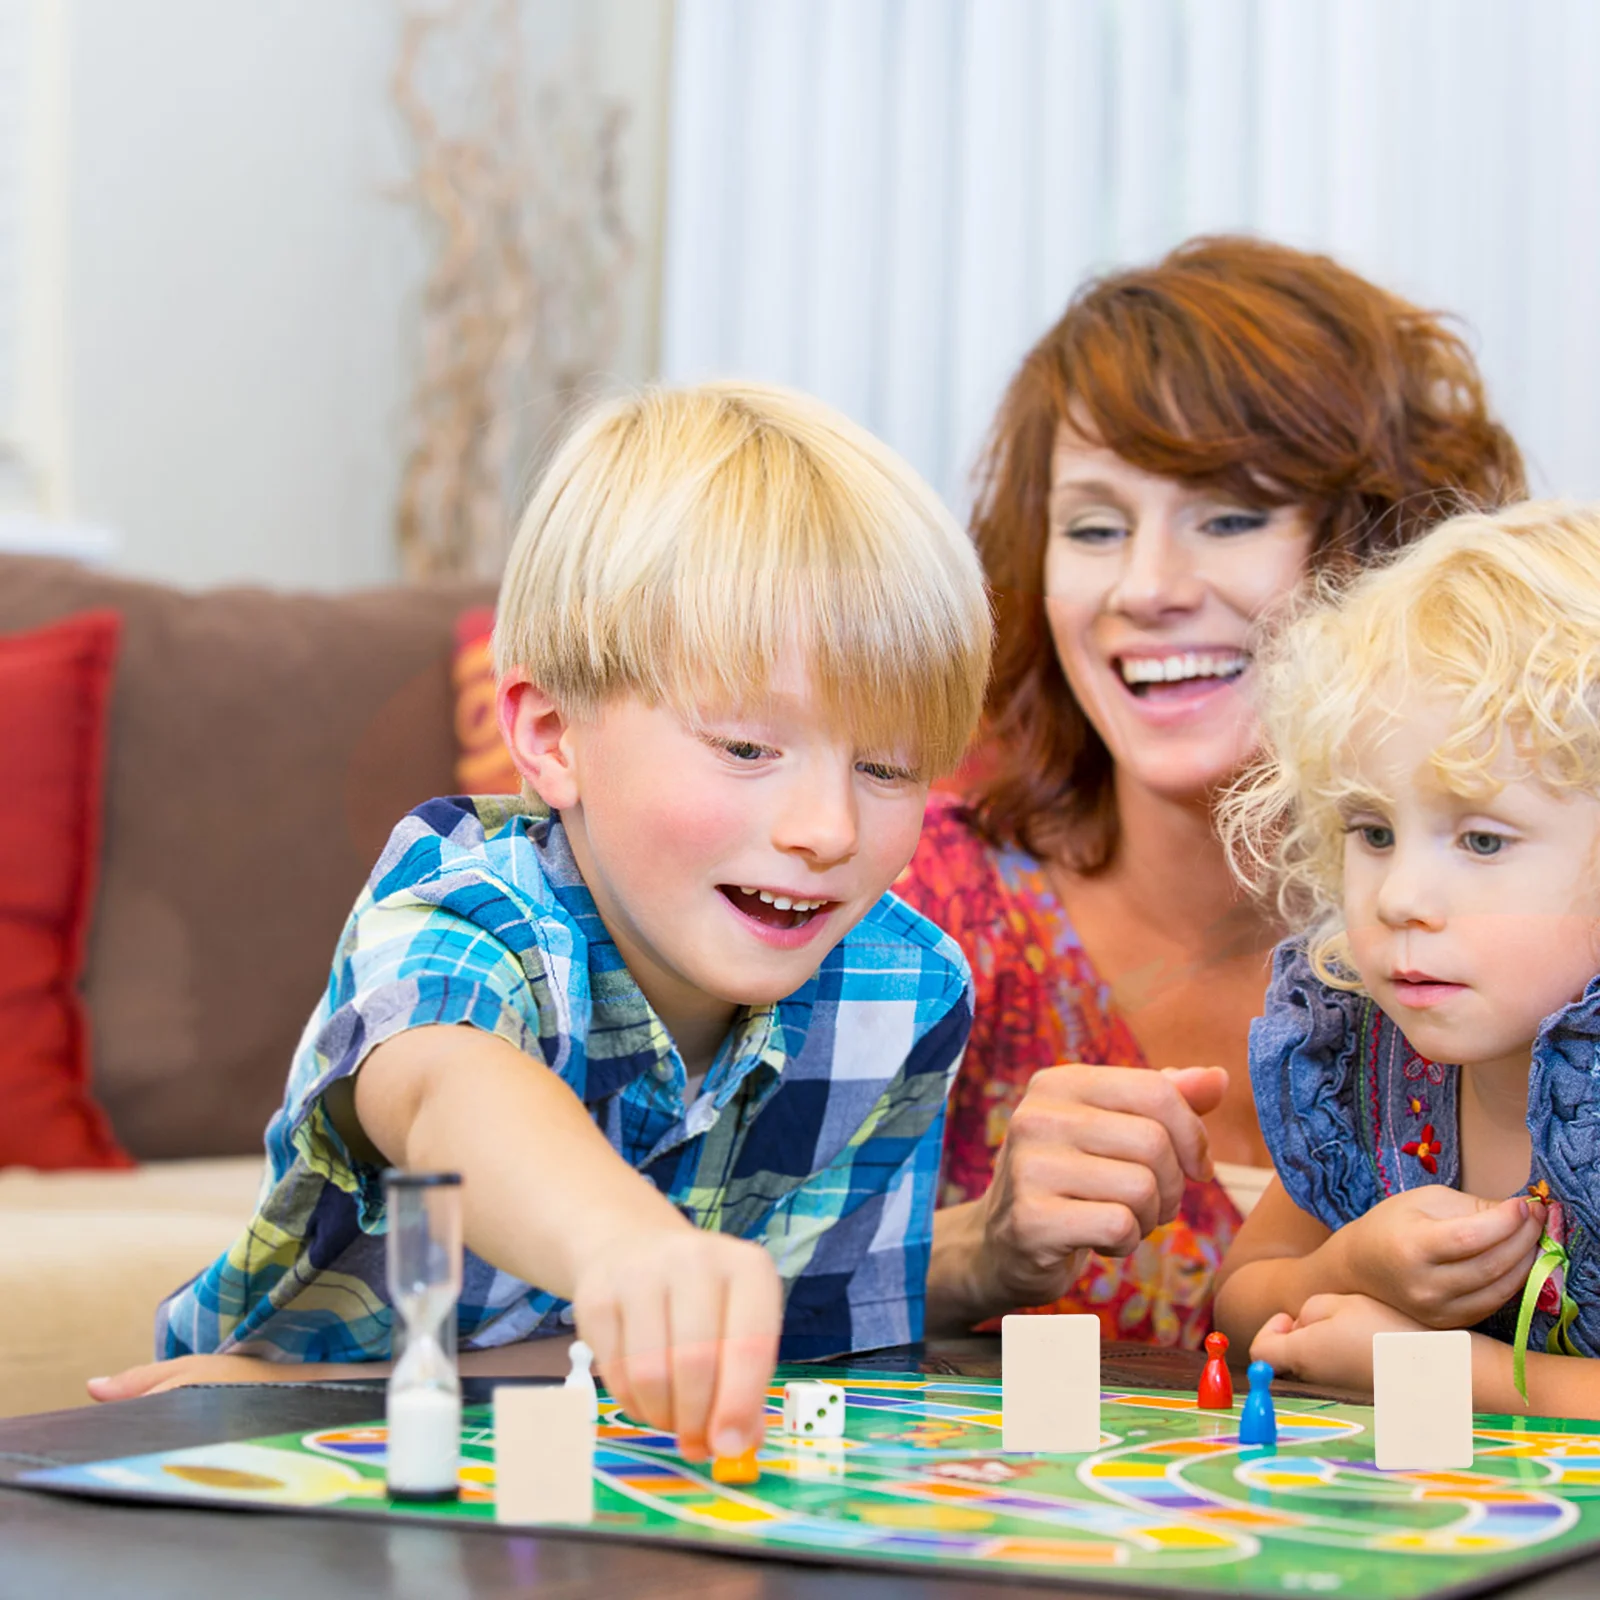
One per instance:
(1330,1342)
(1445,1258)
(1094,1159)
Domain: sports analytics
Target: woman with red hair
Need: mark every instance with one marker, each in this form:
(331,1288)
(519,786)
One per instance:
(1172,458)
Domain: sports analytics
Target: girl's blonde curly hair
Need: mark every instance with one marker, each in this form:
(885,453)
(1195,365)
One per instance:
(1497,615)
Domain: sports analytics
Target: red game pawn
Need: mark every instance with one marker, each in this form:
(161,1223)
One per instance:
(1216,1382)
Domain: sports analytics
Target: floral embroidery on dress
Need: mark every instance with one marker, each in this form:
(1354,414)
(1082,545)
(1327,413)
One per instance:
(1040,1003)
(1421,1067)
(1397,1086)
(1426,1149)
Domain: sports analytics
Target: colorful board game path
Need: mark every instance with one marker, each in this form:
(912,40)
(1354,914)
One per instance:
(1170,1499)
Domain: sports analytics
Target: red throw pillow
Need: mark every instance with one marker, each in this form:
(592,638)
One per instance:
(483,765)
(54,686)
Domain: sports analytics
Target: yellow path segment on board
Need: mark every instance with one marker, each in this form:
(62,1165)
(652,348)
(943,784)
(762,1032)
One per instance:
(1178,1537)
(945,1519)
(734,1511)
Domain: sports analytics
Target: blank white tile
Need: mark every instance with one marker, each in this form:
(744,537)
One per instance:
(1050,1383)
(543,1454)
(1422,1401)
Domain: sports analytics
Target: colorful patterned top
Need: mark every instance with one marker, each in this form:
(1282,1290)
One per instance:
(1041,1004)
(816,1131)
(1352,1114)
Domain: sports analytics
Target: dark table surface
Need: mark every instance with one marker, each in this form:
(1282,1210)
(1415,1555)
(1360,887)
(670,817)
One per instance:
(53,1546)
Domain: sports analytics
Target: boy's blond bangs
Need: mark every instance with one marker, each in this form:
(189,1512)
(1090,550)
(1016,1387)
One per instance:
(683,541)
(1496,616)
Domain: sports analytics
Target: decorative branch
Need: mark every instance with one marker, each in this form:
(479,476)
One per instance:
(520,187)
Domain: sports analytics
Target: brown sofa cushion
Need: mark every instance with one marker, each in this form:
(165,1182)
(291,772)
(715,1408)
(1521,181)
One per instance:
(262,746)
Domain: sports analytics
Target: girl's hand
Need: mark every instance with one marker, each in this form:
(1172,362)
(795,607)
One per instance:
(1330,1342)
(1445,1258)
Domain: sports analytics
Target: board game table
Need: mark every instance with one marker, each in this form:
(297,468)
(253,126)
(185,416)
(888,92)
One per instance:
(53,1546)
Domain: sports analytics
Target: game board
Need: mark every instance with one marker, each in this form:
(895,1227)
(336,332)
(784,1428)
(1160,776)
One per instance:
(1169,1500)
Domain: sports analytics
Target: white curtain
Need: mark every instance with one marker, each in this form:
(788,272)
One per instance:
(886,201)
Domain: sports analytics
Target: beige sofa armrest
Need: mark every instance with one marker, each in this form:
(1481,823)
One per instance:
(85,1259)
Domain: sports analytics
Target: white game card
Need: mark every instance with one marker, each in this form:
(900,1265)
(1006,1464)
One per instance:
(1422,1401)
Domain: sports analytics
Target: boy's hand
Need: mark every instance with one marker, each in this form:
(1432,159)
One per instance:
(684,1325)
(1094,1158)
(1330,1342)
(1445,1258)
(156,1377)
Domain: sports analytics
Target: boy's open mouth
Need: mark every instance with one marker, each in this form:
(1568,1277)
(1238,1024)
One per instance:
(773,909)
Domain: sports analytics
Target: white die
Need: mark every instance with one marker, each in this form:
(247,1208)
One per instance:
(813,1410)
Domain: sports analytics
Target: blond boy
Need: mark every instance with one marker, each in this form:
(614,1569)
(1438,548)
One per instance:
(660,1011)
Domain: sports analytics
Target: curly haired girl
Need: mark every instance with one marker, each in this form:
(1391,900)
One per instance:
(1427,1071)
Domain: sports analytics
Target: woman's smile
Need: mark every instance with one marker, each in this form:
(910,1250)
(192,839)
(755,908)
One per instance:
(1157,585)
(1177,681)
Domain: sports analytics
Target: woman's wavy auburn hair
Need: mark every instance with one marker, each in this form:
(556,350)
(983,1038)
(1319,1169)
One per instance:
(1497,617)
(1274,376)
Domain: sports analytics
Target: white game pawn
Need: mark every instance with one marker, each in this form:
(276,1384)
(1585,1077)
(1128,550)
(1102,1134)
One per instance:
(1050,1383)
(1422,1401)
(813,1410)
(581,1376)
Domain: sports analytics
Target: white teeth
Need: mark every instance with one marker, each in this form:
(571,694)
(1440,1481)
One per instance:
(1181,667)
(783,902)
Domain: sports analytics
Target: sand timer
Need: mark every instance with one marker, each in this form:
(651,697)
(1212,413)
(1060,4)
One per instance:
(424,1269)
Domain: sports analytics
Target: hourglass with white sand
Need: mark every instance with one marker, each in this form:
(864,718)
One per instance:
(424,1272)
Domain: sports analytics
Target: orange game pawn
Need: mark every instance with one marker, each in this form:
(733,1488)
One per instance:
(1216,1382)
(741,1468)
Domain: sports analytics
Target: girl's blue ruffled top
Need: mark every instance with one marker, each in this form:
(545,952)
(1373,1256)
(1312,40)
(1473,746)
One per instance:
(1352,1114)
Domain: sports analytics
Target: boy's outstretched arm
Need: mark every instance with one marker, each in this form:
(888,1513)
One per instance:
(684,1323)
(1442,1258)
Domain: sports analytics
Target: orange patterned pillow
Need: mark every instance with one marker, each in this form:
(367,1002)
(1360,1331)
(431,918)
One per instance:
(483,765)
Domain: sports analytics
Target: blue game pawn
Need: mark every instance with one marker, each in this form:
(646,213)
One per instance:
(1258,1427)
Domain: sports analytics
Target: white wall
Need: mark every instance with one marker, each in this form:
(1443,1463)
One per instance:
(240,287)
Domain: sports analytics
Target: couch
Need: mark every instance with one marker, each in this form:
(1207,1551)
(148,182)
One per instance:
(261,745)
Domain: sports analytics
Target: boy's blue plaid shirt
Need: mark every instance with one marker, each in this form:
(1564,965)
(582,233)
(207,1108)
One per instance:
(817,1131)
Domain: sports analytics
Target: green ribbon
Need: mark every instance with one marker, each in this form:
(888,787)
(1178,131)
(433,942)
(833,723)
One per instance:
(1559,1342)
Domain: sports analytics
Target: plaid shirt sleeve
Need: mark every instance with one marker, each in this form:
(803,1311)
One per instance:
(425,944)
